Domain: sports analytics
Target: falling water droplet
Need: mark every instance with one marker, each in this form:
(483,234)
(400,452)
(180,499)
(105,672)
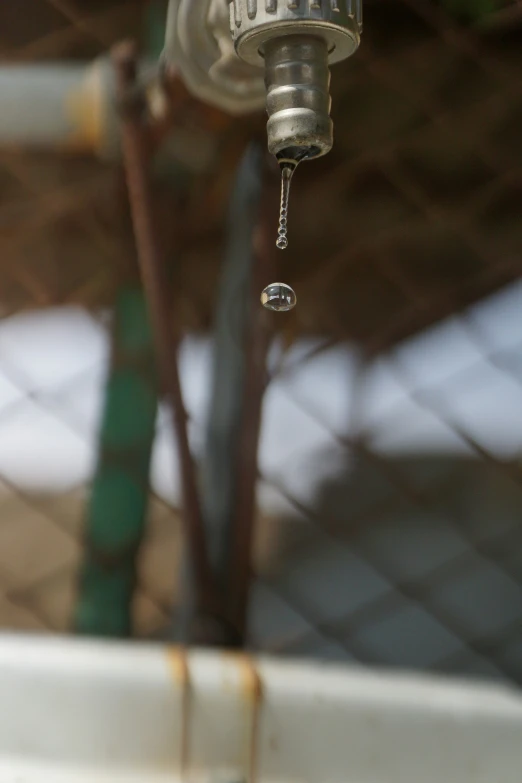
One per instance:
(279,297)
(287,170)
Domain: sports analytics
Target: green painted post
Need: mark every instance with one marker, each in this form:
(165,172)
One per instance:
(155,19)
(116,515)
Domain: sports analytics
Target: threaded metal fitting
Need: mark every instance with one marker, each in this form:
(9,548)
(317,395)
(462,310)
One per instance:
(297,81)
(295,40)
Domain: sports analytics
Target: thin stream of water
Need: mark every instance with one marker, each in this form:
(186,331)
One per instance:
(287,171)
(279,296)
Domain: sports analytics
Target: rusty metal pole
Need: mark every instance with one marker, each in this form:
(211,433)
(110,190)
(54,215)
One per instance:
(136,154)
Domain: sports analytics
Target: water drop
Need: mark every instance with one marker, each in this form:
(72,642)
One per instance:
(287,170)
(279,297)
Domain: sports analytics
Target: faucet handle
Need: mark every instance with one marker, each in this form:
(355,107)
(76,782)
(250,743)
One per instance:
(199,46)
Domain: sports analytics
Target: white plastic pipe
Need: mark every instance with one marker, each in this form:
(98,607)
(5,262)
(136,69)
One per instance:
(62,106)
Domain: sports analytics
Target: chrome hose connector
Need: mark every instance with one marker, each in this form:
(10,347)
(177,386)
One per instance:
(296,41)
(298,97)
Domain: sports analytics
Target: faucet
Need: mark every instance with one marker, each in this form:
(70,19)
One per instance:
(240,54)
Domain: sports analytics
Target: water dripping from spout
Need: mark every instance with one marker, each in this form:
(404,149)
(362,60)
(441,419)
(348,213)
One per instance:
(287,171)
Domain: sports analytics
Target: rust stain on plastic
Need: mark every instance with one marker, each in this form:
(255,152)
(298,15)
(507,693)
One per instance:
(83,107)
(178,665)
(252,688)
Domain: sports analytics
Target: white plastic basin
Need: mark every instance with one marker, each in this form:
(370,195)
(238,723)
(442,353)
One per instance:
(74,710)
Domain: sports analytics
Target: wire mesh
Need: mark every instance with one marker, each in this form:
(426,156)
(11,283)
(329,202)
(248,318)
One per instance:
(406,556)
(405,550)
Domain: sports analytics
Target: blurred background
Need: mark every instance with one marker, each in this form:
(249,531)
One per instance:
(388,523)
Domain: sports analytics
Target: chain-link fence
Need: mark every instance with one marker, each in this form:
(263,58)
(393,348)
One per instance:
(391,487)
(409,553)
